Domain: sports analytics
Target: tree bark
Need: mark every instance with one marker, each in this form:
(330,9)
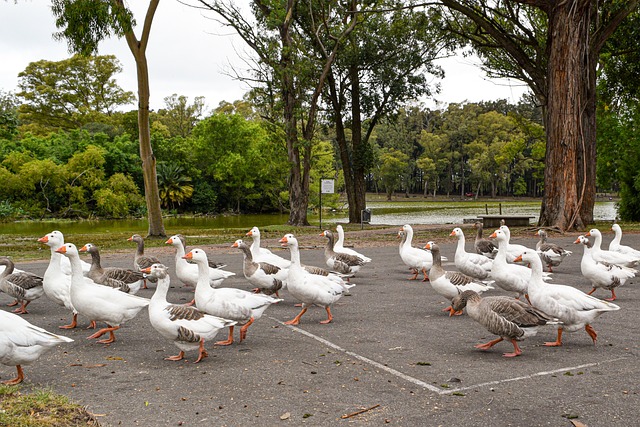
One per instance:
(569,123)
(151,192)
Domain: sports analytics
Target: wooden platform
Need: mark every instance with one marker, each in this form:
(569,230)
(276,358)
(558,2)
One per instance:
(509,220)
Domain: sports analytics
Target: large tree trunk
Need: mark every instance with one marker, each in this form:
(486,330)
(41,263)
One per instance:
(568,198)
(151,193)
(359,151)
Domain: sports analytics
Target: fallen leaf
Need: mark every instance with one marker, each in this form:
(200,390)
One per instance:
(285,416)
(97,365)
(577,423)
(114,358)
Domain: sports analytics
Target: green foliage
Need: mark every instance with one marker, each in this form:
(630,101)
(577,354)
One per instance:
(70,93)
(8,114)
(179,116)
(120,197)
(392,167)
(175,187)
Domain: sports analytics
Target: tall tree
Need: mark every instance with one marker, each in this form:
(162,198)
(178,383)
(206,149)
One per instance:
(70,93)
(83,24)
(554,47)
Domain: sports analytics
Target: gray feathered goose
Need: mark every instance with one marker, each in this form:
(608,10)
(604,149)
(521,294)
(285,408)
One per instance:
(124,279)
(267,278)
(340,262)
(140,260)
(507,317)
(484,246)
(21,285)
(552,255)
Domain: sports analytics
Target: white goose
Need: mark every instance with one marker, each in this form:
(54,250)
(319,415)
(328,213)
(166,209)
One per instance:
(124,279)
(339,245)
(513,250)
(186,326)
(338,261)
(572,307)
(615,245)
(97,302)
(600,274)
(188,273)
(21,343)
(510,277)
(267,278)
(261,254)
(551,254)
(21,285)
(450,283)
(310,289)
(509,318)
(234,304)
(418,260)
(471,264)
(611,257)
(57,239)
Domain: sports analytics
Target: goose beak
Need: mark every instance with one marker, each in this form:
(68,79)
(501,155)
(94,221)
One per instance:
(44,239)
(130,239)
(577,241)
(188,256)
(62,250)
(283,241)
(518,259)
(427,246)
(169,241)
(146,270)
(453,233)
(83,249)
(588,234)
(249,233)
(235,245)
(493,235)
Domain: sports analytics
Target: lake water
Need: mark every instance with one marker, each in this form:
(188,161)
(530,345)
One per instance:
(382,213)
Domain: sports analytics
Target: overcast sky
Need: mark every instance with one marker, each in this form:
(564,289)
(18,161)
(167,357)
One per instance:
(189,54)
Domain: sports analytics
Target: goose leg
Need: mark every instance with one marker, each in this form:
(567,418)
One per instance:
(23,308)
(229,340)
(103,331)
(180,356)
(557,342)
(613,296)
(203,353)
(591,291)
(452,312)
(243,329)
(16,380)
(415,275)
(424,273)
(516,350)
(73,324)
(488,345)
(296,320)
(329,316)
(13,304)
(92,325)
(592,333)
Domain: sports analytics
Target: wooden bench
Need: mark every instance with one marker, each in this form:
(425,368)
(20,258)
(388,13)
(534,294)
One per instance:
(509,220)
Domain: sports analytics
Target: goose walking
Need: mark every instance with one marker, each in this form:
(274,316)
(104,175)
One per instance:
(339,245)
(450,283)
(417,259)
(510,319)
(267,278)
(22,343)
(261,254)
(228,303)
(471,264)
(124,279)
(310,289)
(513,249)
(21,285)
(601,274)
(339,261)
(611,257)
(187,327)
(616,246)
(552,255)
(572,307)
(98,302)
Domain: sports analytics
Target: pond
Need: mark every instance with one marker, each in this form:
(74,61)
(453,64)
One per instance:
(383,213)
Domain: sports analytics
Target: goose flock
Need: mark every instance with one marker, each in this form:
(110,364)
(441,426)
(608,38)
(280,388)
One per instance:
(106,295)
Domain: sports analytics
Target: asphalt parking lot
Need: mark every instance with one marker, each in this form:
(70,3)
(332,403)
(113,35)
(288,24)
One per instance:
(390,351)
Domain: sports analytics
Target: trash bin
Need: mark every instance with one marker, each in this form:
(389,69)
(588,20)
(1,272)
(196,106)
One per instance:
(366,215)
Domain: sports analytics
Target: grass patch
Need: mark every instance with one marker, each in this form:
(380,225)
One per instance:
(40,408)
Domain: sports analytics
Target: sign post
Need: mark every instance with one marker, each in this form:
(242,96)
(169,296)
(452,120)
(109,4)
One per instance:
(326,187)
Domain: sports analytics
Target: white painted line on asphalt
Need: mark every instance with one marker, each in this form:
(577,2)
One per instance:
(430,387)
(527,377)
(362,358)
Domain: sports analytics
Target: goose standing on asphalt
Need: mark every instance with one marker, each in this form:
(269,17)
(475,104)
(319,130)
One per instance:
(471,264)
(417,259)
(237,305)
(611,257)
(261,254)
(310,289)
(509,318)
(513,249)
(267,278)
(339,245)
(21,285)
(22,343)
(484,246)
(341,262)
(601,274)
(186,326)
(615,245)
(552,255)
(572,307)
(98,302)
(124,279)
(451,283)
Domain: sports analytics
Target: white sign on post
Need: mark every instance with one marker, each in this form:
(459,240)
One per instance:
(327,186)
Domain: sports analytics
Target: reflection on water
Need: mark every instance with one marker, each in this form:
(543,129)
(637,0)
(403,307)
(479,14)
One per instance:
(382,213)
(449,213)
